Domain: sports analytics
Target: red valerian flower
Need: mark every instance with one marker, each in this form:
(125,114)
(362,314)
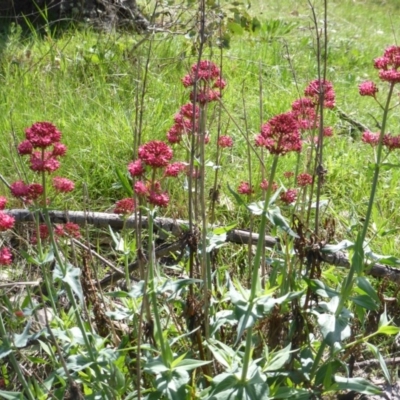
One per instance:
(5,256)
(25,147)
(368,88)
(68,229)
(3,202)
(42,134)
(245,188)
(289,196)
(156,154)
(59,150)
(204,71)
(370,138)
(174,169)
(158,199)
(389,64)
(19,189)
(30,192)
(140,188)
(43,232)
(288,174)
(315,87)
(304,112)
(205,96)
(43,162)
(304,179)
(280,134)
(328,131)
(391,142)
(6,221)
(124,206)
(63,185)
(265,184)
(135,168)
(225,141)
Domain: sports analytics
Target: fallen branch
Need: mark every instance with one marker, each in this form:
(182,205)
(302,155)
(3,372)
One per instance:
(176,227)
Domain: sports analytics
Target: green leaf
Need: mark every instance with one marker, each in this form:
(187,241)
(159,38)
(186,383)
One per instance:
(320,288)
(359,385)
(5,350)
(215,241)
(388,330)
(219,230)
(279,359)
(333,248)
(156,366)
(172,385)
(334,329)
(188,364)
(11,395)
(235,28)
(284,392)
(237,197)
(324,375)
(124,181)
(364,284)
(381,360)
(277,219)
(365,301)
(21,340)
(71,278)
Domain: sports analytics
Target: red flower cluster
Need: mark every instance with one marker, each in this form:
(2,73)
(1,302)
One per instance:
(5,256)
(389,141)
(186,121)
(43,135)
(174,169)
(3,202)
(156,154)
(289,196)
(304,179)
(368,88)
(225,141)
(370,138)
(389,64)
(280,135)
(304,112)
(26,192)
(245,188)
(6,221)
(136,168)
(265,184)
(207,76)
(124,206)
(68,229)
(63,185)
(317,87)
(288,174)
(43,233)
(153,193)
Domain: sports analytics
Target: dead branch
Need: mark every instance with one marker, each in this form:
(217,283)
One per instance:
(175,227)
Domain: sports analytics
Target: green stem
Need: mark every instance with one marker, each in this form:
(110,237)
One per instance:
(126,255)
(256,267)
(153,294)
(6,342)
(358,256)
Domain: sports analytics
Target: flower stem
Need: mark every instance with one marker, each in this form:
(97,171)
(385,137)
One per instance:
(255,282)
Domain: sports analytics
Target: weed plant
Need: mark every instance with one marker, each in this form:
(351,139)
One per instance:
(253,121)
